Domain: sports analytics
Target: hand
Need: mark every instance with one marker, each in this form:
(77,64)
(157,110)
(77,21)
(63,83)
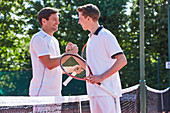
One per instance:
(74,49)
(78,69)
(94,79)
(69,46)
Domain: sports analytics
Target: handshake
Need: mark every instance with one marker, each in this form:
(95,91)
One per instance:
(71,48)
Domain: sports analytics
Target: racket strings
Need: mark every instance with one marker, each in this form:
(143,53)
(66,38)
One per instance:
(72,64)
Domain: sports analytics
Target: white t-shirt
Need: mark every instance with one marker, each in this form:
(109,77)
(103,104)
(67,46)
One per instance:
(100,48)
(45,82)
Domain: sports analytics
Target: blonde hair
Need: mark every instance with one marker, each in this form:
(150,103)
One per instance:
(89,10)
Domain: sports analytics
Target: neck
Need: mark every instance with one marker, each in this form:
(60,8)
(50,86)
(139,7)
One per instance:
(94,27)
(48,31)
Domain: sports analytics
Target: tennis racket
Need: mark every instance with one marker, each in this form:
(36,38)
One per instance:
(80,68)
(83,55)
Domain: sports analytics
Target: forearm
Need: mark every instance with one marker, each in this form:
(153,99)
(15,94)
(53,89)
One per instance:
(51,63)
(119,64)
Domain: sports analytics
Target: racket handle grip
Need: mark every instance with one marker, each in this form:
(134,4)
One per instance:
(114,95)
(69,79)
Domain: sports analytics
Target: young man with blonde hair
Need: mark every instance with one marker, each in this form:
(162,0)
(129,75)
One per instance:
(105,58)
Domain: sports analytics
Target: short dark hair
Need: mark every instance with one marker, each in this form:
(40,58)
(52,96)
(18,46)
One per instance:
(89,10)
(45,13)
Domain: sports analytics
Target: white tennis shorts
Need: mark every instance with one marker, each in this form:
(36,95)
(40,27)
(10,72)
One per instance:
(104,104)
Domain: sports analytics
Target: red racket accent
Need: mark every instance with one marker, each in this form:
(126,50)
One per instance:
(83,52)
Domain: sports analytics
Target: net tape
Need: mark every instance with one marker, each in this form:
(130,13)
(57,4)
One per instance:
(26,100)
(19,100)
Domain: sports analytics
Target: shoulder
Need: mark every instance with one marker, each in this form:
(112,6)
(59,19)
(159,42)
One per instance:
(106,33)
(39,34)
(37,38)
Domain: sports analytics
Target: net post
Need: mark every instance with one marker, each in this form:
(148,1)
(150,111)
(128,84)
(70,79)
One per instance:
(169,36)
(142,61)
(142,96)
(169,45)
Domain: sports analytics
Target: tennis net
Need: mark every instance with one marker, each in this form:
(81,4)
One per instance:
(51,104)
(65,104)
(157,102)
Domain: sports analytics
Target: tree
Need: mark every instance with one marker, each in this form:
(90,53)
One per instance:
(69,30)
(156,36)
(18,24)
(14,41)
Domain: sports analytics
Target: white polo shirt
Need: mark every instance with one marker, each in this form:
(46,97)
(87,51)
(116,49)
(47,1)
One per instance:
(45,82)
(101,47)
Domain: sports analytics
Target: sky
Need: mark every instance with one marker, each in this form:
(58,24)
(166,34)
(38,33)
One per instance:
(129,4)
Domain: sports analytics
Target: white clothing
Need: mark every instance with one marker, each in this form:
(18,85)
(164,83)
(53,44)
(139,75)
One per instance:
(45,82)
(104,104)
(100,48)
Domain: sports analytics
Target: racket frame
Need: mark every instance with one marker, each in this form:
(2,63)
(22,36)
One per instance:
(82,51)
(69,73)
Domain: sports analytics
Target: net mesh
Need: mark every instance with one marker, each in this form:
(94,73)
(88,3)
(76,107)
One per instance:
(157,102)
(65,104)
(130,100)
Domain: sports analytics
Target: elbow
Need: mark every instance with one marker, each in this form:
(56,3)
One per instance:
(49,67)
(125,62)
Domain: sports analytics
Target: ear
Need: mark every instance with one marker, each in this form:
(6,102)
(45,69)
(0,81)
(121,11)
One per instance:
(89,19)
(43,21)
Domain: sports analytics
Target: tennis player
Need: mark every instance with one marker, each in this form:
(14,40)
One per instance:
(45,55)
(105,58)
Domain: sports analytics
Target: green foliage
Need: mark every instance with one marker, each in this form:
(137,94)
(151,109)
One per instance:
(15,82)
(18,23)
(14,41)
(75,87)
(156,38)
